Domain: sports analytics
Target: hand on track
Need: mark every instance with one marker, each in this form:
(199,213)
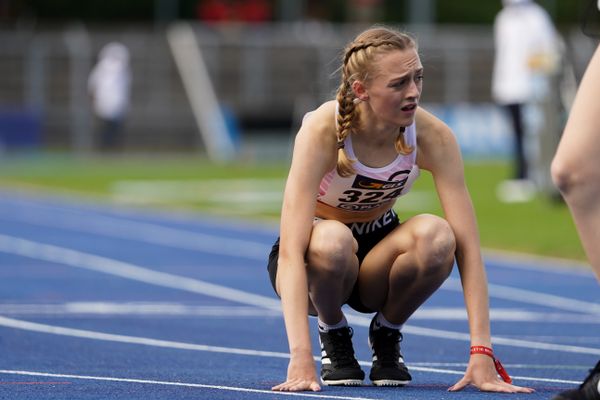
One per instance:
(301,376)
(481,373)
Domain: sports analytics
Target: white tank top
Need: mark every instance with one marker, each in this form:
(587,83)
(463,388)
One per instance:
(370,188)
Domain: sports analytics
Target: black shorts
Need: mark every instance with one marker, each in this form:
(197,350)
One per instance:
(367,234)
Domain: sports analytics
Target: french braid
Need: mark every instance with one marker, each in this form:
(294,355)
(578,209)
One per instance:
(358,61)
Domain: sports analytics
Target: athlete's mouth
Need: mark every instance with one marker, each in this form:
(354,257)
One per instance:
(409,107)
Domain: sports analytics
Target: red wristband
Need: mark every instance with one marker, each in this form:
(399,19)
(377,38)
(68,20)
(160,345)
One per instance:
(490,353)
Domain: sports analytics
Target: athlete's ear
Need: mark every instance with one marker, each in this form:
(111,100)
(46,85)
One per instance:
(360,91)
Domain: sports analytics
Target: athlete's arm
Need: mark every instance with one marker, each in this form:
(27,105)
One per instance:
(439,153)
(314,154)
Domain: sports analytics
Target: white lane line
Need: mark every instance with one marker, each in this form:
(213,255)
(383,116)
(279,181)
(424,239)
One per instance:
(135,308)
(453,372)
(184,384)
(233,194)
(496,340)
(537,263)
(171,309)
(548,300)
(181,239)
(506,259)
(62,207)
(507,365)
(109,337)
(549,380)
(105,265)
(150,233)
(531,297)
(504,314)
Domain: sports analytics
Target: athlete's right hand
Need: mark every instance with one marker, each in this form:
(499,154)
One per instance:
(301,375)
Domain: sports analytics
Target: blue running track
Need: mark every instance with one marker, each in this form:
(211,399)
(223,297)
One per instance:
(106,302)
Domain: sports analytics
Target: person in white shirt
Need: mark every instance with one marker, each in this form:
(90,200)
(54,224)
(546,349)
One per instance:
(109,85)
(527,53)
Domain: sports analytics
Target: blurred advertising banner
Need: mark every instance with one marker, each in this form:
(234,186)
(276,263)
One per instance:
(482,130)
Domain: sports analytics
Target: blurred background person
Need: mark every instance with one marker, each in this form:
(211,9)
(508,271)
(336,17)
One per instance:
(527,58)
(109,85)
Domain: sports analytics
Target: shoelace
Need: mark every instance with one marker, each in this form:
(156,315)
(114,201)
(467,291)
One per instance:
(342,352)
(386,346)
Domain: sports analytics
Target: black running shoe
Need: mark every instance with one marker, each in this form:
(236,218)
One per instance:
(338,364)
(588,390)
(388,367)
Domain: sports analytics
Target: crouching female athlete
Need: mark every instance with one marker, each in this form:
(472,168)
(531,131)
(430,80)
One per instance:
(342,243)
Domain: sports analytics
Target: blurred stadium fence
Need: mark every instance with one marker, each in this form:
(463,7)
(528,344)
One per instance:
(264,78)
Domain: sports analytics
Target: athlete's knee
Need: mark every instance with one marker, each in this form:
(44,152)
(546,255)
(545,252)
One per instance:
(434,245)
(561,175)
(331,248)
(567,177)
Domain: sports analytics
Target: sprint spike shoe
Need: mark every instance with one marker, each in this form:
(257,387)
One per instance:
(388,367)
(338,364)
(588,390)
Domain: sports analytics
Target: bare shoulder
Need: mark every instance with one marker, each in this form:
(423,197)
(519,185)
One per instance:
(321,118)
(315,144)
(435,139)
(431,129)
(318,126)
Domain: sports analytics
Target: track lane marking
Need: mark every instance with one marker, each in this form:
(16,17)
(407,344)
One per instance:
(150,233)
(207,243)
(110,337)
(507,259)
(106,265)
(184,384)
(531,297)
(175,309)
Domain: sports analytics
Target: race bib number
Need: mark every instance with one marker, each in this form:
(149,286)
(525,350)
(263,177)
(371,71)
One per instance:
(368,193)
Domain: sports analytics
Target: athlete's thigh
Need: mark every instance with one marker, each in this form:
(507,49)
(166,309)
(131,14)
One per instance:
(332,252)
(580,143)
(325,236)
(409,240)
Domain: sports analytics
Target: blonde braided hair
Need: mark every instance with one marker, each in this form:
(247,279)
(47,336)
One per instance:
(357,64)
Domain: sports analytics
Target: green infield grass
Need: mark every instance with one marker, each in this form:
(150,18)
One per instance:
(253,190)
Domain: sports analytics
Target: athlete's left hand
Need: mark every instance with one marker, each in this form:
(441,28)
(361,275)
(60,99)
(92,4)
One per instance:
(481,373)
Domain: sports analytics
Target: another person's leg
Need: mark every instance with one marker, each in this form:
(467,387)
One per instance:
(588,390)
(576,166)
(520,188)
(110,134)
(576,172)
(515,111)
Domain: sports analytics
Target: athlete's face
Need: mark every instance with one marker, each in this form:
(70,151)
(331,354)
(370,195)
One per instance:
(395,89)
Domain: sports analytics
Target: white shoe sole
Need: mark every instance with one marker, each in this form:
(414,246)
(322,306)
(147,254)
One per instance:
(390,382)
(343,382)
